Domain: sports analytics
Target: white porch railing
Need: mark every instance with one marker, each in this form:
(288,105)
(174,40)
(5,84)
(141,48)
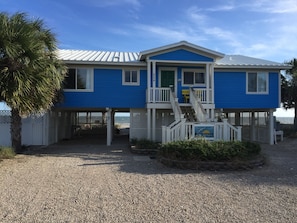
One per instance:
(198,108)
(159,95)
(162,94)
(181,130)
(204,95)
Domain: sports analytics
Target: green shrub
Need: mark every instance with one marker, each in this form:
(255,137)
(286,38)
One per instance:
(6,153)
(203,150)
(144,144)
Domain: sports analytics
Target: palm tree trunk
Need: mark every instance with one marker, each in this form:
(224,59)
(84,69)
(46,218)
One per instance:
(16,130)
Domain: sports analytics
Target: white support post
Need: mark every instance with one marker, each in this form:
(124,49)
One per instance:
(212,83)
(154,125)
(271,128)
(226,134)
(207,83)
(239,128)
(149,123)
(109,128)
(148,81)
(154,81)
(183,129)
(253,127)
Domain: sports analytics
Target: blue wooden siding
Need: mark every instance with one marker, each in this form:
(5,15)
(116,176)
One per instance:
(230,92)
(182,55)
(109,92)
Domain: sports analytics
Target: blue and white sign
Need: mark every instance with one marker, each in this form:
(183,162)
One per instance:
(205,131)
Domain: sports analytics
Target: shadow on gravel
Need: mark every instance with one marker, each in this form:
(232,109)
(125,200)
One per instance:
(280,167)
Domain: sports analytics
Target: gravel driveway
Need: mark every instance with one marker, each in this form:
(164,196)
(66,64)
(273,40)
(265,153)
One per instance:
(67,183)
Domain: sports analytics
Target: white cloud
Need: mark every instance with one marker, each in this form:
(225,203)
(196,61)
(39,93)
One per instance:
(112,3)
(196,15)
(226,7)
(269,6)
(169,34)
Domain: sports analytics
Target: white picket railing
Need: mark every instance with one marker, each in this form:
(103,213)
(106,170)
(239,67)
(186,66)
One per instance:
(162,94)
(204,95)
(227,132)
(181,130)
(159,95)
(174,132)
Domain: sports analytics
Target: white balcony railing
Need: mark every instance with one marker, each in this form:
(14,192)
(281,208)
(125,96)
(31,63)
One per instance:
(162,95)
(204,95)
(159,95)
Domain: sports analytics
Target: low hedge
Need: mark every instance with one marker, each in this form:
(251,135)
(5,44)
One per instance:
(202,150)
(6,152)
(145,144)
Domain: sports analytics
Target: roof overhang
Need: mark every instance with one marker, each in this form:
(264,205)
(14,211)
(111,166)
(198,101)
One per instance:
(94,63)
(180,45)
(280,67)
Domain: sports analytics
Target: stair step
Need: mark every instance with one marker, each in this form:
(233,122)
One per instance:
(189,113)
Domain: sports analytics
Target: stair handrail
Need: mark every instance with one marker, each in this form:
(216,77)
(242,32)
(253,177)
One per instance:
(178,115)
(197,105)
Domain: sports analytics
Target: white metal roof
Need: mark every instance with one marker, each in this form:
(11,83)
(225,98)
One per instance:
(132,58)
(105,57)
(239,61)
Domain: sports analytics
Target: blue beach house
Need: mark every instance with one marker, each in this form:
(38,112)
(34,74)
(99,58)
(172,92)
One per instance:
(175,92)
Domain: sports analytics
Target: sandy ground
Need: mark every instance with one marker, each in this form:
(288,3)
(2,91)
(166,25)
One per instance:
(89,183)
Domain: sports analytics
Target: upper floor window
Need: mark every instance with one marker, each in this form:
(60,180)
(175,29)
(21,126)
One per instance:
(80,79)
(130,77)
(194,77)
(257,82)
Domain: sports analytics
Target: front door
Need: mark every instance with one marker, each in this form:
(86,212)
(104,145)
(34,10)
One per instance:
(167,78)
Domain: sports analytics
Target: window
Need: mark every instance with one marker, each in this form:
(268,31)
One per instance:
(257,82)
(194,77)
(130,77)
(80,79)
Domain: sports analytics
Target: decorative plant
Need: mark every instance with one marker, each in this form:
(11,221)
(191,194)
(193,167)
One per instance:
(6,152)
(145,144)
(203,150)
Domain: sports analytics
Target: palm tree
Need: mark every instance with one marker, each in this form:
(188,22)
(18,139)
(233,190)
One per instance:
(289,89)
(30,72)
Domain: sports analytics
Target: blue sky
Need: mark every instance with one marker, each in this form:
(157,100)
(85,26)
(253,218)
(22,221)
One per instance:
(258,28)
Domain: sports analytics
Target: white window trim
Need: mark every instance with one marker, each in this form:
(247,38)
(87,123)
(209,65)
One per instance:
(91,89)
(131,83)
(267,83)
(195,71)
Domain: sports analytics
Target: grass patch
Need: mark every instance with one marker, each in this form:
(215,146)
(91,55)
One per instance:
(6,152)
(203,150)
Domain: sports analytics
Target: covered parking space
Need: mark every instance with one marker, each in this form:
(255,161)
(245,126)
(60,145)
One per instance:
(96,126)
(257,125)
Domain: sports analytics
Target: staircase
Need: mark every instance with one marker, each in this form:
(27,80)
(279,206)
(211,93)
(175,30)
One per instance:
(189,113)
(189,116)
